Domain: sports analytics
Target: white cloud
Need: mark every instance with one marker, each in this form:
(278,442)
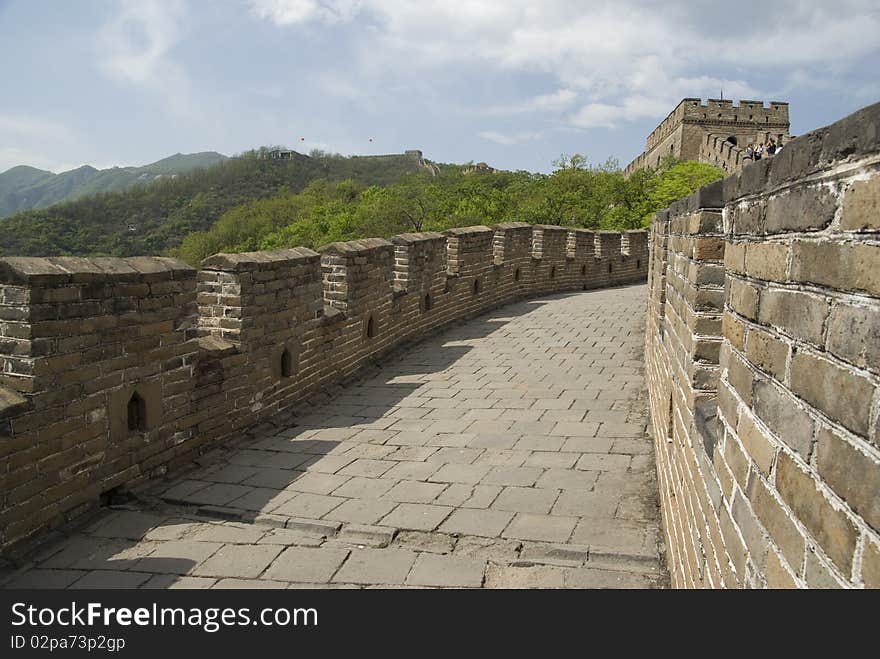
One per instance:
(291,12)
(511,139)
(135,48)
(620,60)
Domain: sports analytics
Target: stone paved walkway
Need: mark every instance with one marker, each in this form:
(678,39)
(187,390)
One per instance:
(510,451)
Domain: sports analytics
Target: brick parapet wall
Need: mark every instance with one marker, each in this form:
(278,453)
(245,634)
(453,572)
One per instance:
(763,348)
(114,370)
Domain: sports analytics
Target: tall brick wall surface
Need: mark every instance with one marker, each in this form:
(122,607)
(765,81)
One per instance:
(763,368)
(114,370)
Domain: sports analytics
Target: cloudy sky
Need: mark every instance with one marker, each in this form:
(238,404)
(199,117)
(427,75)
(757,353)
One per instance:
(511,82)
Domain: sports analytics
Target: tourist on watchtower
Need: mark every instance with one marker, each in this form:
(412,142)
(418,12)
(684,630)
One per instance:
(759,151)
(750,152)
(771,148)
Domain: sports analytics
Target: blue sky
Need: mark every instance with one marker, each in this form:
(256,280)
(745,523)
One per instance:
(514,83)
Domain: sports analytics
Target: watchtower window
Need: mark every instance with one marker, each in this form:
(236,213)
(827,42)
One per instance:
(476,286)
(610,267)
(732,139)
(137,413)
(638,264)
(286,364)
(371,328)
(426,302)
(516,275)
(553,272)
(583,271)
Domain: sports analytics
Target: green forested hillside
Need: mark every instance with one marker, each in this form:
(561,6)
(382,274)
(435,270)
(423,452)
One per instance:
(575,195)
(25,188)
(155,217)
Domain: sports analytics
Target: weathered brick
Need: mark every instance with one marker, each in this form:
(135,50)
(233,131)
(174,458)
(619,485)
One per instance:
(767,260)
(829,525)
(740,377)
(767,353)
(844,266)
(854,335)
(742,297)
(871,564)
(803,209)
(733,330)
(776,519)
(761,449)
(798,314)
(852,474)
(735,257)
(779,411)
(861,206)
(777,575)
(843,395)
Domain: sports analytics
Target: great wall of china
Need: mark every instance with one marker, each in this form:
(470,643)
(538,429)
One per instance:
(762,356)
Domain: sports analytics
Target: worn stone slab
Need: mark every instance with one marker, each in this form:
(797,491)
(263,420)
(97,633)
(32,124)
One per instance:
(547,528)
(376,566)
(239,561)
(306,565)
(416,516)
(446,571)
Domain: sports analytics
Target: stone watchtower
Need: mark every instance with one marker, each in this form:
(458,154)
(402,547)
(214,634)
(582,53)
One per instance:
(716,132)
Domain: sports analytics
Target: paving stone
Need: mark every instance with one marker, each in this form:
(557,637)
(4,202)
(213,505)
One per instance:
(176,582)
(311,506)
(474,521)
(110,579)
(365,534)
(615,537)
(177,556)
(229,533)
(522,476)
(361,511)
(453,455)
(365,488)
(502,457)
(526,500)
(172,529)
(446,571)
(567,479)
(415,492)
(583,503)
(367,468)
(416,516)
(260,499)
(376,566)
(600,462)
(288,537)
(315,483)
(460,473)
(412,471)
(248,584)
(437,543)
(413,453)
(271,477)
(548,528)
(494,550)
(559,459)
(538,576)
(307,565)
(322,527)
(592,578)
(239,561)
(45,579)
(129,525)
(539,442)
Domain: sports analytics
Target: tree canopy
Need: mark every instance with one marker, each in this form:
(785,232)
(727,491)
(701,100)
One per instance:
(575,194)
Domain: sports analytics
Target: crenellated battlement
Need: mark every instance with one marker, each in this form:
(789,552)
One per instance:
(114,370)
(683,131)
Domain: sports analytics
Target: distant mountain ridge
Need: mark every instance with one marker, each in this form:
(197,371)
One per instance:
(155,217)
(24,188)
